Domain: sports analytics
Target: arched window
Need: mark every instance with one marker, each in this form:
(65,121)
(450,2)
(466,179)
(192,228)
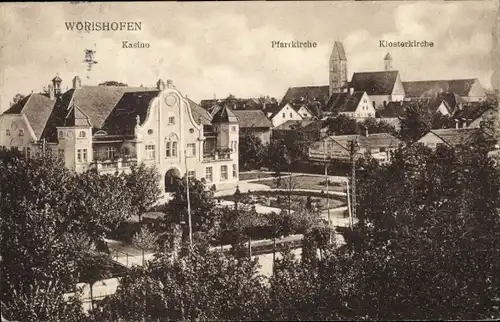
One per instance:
(81,134)
(61,134)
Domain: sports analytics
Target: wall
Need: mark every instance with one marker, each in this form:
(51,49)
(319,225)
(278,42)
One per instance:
(379,100)
(157,131)
(430,140)
(398,92)
(279,119)
(15,123)
(304,113)
(476,93)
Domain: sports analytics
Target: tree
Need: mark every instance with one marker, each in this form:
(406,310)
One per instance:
(93,268)
(440,121)
(100,203)
(202,285)
(278,158)
(17,98)
(415,122)
(145,240)
(144,187)
(113,83)
(250,150)
(203,211)
(341,125)
(373,126)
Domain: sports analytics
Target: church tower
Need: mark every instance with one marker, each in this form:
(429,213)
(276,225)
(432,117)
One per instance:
(387,62)
(338,68)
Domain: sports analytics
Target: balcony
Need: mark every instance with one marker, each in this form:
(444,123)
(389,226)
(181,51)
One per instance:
(217,155)
(117,163)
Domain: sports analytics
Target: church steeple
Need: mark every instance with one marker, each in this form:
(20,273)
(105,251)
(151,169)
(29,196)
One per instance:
(338,68)
(388,62)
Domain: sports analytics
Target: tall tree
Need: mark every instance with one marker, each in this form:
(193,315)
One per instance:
(341,125)
(251,151)
(415,122)
(143,182)
(17,98)
(278,158)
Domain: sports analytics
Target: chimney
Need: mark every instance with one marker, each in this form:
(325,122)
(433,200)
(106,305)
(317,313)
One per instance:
(52,94)
(351,90)
(160,84)
(170,83)
(56,81)
(77,82)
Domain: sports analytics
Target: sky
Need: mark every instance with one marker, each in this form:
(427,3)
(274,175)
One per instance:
(217,49)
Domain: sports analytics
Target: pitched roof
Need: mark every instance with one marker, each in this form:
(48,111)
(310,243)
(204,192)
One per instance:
(344,102)
(306,94)
(223,114)
(252,118)
(76,117)
(271,110)
(471,111)
(293,125)
(200,115)
(455,137)
(426,89)
(37,108)
(375,83)
(372,141)
(123,116)
(391,110)
(338,47)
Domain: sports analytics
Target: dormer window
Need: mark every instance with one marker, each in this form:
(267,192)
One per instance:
(81,134)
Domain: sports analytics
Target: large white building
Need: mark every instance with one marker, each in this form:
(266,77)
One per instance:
(109,128)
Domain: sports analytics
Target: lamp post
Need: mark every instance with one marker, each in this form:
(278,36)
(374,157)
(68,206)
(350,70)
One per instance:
(327,195)
(188,202)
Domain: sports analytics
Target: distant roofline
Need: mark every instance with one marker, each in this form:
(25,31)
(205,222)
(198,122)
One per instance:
(441,80)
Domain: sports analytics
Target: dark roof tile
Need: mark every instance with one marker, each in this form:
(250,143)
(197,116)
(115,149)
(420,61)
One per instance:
(252,118)
(429,89)
(374,83)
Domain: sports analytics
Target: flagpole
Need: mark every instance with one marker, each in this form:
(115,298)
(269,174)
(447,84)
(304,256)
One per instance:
(188,203)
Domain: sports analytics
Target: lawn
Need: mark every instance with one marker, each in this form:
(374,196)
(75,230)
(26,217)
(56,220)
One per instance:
(254,175)
(305,182)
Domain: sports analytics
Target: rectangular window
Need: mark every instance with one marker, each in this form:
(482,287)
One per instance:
(110,152)
(171,120)
(174,149)
(167,150)
(209,175)
(284,115)
(150,152)
(28,152)
(223,172)
(60,153)
(291,115)
(191,149)
(364,100)
(85,160)
(191,174)
(79,155)
(235,173)
(21,132)
(7,132)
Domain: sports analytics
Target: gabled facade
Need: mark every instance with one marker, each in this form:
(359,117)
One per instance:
(279,115)
(450,137)
(382,87)
(111,128)
(337,148)
(255,122)
(351,104)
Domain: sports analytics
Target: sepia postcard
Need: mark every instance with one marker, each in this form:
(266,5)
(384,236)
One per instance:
(253,160)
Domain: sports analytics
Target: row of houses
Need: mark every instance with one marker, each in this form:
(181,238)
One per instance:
(342,148)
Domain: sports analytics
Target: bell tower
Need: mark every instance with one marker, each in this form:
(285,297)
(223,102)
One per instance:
(387,62)
(338,68)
